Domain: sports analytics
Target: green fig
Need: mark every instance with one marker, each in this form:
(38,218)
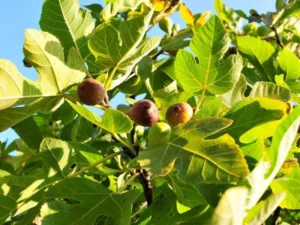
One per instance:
(166,25)
(179,113)
(159,134)
(91,92)
(250,29)
(144,113)
(131,86)
(264,31)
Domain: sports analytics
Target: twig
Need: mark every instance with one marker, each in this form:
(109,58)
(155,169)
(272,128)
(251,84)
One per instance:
(148,189)
(126,144)
(158,54)
(110,77)
(277,37)
(144,178)
(100,107)
(71,98)
(275,216)
(132,133)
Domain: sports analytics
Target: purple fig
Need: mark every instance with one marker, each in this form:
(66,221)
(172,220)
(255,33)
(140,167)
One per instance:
(91,92)
(144,113)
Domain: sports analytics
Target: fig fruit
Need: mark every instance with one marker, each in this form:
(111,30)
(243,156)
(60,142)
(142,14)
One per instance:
(166,25)
(91,92)
(179,113)
(250,29)
(144,113)
(264,31)
(159,134)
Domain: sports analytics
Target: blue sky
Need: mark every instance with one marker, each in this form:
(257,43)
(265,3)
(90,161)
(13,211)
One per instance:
(18,15)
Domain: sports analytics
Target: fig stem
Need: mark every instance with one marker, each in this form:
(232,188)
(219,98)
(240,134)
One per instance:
(77,99)
(88,73)
(100,107)
(96,164)
(71,98)
(110,77)
(277,37)
(126,144)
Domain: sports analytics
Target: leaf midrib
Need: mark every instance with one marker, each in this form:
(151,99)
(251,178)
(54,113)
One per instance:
(69,28)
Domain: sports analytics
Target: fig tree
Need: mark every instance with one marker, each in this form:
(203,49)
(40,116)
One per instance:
(159,134)
(144,113)
(91,92)
(179,113)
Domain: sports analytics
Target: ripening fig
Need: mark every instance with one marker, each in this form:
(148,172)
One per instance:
(159,134)
(91,92)
(144,113)
(179,113)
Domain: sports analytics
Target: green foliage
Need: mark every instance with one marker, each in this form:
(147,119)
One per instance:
(234,162)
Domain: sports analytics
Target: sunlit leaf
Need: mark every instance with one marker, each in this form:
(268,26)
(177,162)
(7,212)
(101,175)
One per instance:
(231,208)
(291,188)
(290,64)
(119,44)
(211,73)
(113,120)
(260,54)
(198,160)
(251,112)
(263,174)
(69,23)
(186,14)
(264,209)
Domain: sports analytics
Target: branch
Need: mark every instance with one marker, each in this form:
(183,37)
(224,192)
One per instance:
(148,189)
(275,216)
(126,144)
(158,54)
(277,37)
(144,178)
